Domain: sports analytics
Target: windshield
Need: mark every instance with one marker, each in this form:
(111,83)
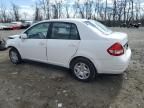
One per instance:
(99,26)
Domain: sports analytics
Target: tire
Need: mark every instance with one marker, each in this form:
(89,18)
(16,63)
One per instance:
(14,56)
(83,69)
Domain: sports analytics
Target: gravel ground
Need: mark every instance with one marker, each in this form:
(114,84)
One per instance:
(37,85)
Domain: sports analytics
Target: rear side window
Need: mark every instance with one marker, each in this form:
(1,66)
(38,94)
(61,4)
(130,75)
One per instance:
(64,31)
(74,35)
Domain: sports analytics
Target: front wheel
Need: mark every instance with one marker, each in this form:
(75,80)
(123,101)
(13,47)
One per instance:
(14,56)
(83,69)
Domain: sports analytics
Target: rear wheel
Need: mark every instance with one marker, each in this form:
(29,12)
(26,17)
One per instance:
(83,69)
(15,56)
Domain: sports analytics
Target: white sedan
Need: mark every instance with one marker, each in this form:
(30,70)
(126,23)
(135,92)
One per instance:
(85,46)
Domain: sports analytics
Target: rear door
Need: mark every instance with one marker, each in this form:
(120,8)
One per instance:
(63,43)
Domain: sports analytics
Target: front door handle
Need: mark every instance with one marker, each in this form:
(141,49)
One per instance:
(42,44)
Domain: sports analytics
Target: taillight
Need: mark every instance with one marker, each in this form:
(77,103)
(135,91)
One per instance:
(116,50)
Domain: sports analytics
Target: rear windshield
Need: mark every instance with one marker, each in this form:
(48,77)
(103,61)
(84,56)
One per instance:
(98,26)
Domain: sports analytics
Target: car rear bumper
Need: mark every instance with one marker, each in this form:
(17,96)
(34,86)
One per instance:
(116,65)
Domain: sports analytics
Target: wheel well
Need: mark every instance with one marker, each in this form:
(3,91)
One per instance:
(83,58)
(12,47)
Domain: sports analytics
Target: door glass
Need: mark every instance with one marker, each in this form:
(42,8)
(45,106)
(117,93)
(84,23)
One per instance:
(74,35)
(38,31)
(64,31)
(60,31)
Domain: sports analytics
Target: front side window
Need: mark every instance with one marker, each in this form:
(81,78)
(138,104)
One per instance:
(38,31)
(64,31)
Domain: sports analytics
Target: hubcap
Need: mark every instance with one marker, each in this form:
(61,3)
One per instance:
(13,56)
(81,70)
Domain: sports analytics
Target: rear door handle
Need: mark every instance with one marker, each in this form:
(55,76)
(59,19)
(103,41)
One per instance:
(72,45)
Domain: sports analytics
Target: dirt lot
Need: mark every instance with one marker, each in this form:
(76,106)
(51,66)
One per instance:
(36,85)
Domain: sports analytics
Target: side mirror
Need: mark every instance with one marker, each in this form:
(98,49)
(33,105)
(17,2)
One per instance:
(24,36)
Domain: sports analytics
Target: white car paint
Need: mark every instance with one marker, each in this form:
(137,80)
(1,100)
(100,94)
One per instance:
(63,52)
(93,44)
(34,49)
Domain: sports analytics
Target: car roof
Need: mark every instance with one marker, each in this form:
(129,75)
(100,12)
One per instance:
(65,20)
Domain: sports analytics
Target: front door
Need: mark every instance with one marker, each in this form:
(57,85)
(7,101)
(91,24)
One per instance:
(34,47)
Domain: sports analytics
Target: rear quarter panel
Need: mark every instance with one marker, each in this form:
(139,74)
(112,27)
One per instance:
(94,50)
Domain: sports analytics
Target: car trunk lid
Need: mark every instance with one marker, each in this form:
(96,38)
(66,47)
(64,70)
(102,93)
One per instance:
(119,37)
